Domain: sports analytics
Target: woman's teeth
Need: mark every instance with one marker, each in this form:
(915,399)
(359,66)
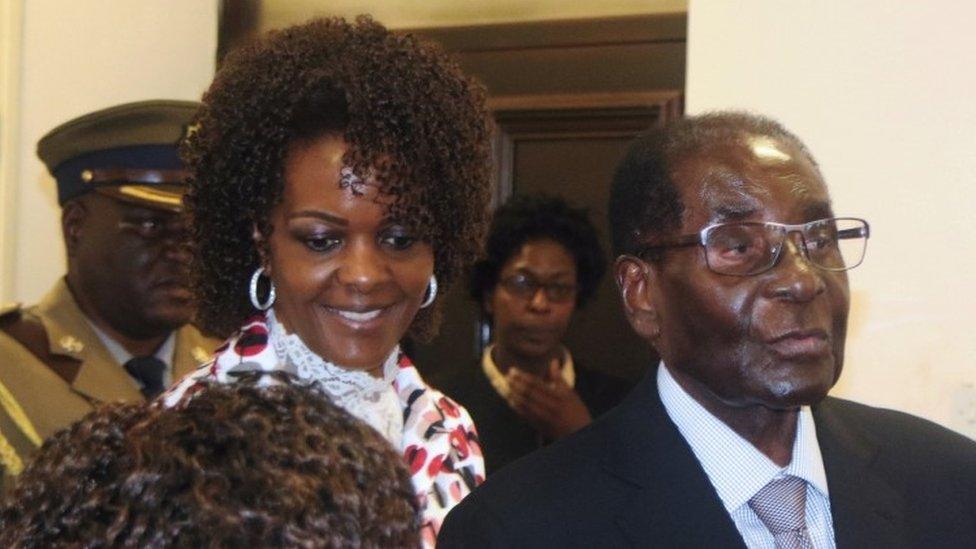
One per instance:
(359,317)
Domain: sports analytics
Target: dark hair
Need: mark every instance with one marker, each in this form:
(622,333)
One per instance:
(643,198)
(238,466)
(411,118)
(539,216)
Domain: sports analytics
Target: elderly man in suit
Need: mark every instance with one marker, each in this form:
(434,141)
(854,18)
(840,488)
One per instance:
(116,326)
(732,265)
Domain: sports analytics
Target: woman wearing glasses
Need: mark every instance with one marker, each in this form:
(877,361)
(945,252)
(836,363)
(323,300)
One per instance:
(543,261)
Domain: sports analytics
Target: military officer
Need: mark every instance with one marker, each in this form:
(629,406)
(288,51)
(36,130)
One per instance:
(116,326)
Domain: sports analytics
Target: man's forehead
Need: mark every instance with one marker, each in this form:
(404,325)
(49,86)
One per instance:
(736,179)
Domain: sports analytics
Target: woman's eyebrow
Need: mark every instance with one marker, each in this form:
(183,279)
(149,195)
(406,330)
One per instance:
(319,215)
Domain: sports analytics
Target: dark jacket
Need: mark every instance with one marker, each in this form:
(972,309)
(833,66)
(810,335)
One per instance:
(631,480)
(503,434)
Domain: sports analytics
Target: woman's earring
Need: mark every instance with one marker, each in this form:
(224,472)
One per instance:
(253,294)
(431,294)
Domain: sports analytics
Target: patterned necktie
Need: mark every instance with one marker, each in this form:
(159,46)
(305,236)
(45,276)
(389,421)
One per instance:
(781,506)
(148,370)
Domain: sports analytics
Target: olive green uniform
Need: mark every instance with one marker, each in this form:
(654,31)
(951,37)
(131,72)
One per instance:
(54,369)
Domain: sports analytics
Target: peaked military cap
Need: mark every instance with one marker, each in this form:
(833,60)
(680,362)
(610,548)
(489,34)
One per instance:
(128,151)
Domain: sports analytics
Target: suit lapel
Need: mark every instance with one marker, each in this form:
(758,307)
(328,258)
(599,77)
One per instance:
(673,502)
(866,511)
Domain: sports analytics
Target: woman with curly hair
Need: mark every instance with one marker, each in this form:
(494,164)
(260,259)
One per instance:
(542,263)
(340,181)
(238,466)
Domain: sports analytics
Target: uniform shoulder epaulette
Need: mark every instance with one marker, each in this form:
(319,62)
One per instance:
(10,311)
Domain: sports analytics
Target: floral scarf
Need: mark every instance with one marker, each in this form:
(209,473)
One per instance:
(438,441)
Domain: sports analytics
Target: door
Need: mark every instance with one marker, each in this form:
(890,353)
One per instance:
(567,98)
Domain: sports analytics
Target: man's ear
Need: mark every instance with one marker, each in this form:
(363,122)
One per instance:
(635,280)
(73,216)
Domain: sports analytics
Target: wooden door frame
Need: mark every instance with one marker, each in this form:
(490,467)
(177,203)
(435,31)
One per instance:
(572,116)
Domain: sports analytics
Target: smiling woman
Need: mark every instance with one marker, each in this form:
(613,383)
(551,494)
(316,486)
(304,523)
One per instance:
(349,279)
(340,177)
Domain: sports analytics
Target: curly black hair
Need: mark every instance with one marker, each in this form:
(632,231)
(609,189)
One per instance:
(411,118)
(540,216)
(238,466)
(644,200)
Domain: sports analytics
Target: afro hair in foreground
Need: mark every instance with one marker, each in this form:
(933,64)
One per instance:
(238,466)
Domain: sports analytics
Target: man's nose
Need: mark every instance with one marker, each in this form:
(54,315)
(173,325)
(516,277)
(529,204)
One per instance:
(795,278)
(176,245)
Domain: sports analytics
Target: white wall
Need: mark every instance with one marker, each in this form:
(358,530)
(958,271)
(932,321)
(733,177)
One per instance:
(74,57)
(883,94)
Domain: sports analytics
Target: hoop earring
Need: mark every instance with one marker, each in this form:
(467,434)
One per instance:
(253,293)
(431,294)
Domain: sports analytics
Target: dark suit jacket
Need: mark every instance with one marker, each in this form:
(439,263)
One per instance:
(503,434)
(631,480)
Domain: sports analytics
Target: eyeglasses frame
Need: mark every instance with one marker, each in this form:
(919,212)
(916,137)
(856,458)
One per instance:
(699,239)
(573,290)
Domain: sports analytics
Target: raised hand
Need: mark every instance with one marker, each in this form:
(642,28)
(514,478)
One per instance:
(548,403)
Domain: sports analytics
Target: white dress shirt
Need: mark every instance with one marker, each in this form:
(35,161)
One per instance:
(165,352)
(738,470)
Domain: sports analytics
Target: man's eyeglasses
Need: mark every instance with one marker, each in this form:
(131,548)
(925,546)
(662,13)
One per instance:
(526,287)
(750,248)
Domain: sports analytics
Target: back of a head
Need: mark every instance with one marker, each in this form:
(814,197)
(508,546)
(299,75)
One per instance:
(643,198)
(236,466)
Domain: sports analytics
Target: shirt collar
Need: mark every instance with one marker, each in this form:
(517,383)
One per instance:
(500,382)
(121,355)
(734,466)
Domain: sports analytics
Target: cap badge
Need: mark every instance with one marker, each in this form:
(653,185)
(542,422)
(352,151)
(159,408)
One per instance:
(190,130)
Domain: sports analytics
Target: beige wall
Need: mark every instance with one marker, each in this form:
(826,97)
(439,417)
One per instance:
(882,92)
(74,57)
(427,13)
(11,17)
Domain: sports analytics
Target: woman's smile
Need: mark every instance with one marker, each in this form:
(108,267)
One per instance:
(361,318)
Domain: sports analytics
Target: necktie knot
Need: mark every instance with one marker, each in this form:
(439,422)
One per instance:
(781,506)
(149,371)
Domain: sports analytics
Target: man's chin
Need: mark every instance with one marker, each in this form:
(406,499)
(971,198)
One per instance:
(167,319)
(792,395)
(536,349)
(802,382)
